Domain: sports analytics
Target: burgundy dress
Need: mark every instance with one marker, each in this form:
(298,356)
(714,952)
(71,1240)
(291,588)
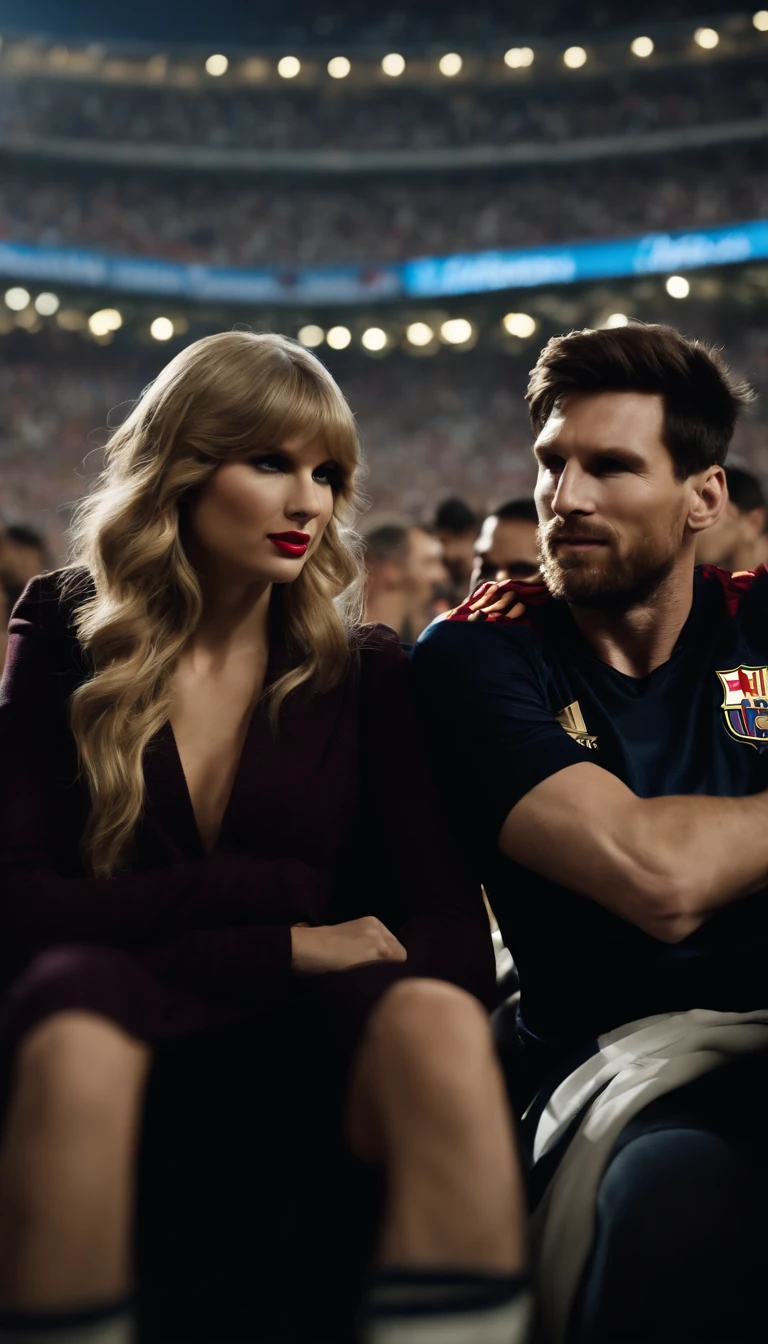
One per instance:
(331,817)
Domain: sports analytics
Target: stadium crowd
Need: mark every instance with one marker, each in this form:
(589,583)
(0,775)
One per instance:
(626,104)
(286,222)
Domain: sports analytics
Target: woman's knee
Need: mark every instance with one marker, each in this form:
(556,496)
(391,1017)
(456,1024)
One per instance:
(427,1038)
(75,1067)
(420,1016)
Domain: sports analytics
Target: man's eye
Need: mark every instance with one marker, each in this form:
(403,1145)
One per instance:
(552,463)
(609,466)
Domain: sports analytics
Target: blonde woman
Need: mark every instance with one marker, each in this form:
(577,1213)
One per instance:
(223,872)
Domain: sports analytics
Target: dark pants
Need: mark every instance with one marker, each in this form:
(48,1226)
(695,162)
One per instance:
(254,1223)
(681,1248)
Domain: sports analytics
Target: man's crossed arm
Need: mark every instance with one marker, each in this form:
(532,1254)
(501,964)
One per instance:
(663,864)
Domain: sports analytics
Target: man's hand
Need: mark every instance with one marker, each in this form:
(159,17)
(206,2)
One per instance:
(339,947)
(486,604)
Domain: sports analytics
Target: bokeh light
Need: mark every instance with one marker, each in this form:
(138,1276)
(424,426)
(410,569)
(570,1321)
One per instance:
(161,329)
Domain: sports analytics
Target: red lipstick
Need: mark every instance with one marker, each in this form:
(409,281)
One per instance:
(292,544)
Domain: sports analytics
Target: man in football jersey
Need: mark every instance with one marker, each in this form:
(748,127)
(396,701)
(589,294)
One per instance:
(606,748)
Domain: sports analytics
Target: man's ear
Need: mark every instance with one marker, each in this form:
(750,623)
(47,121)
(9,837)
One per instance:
(709,496)
(755,521)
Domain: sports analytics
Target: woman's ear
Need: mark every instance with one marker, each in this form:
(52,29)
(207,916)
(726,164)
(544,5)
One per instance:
(709,496)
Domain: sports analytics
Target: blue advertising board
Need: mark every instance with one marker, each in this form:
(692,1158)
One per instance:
(423,278)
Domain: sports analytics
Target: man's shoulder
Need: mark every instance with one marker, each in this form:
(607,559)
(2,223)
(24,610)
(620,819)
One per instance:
(741,591)
(462,637)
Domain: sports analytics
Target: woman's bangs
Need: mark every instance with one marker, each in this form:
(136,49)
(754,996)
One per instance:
(307,409)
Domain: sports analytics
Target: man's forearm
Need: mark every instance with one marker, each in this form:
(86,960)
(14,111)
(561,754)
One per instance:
(663,864)
(715,849)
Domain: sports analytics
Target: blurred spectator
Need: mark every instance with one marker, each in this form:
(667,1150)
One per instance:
(507,547)
(738,539)
(23,555)
(456,527)
(405,578)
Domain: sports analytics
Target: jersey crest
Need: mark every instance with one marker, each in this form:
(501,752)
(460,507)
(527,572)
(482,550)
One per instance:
(572,720)
(745,704)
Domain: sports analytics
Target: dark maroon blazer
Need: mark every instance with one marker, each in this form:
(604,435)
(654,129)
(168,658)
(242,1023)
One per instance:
(331,817)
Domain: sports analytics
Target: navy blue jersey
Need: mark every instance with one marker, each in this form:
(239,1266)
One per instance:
(512,702)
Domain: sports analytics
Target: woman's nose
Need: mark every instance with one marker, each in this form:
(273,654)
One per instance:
(304,500)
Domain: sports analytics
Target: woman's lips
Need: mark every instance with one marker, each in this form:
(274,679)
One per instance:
(290,543)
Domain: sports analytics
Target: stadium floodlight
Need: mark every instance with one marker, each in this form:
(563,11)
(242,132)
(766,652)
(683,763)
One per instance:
(47,304)
(616,320)
(339,338)
(574,58)
(288,67)
(217,65)
(520,324)
(16,299)
(456,331)
(311,336)
(678,287)
(760,20)
(450,64)
(393,64)
(374,339)
(339,67)
(161,329)
(104,321)
(518,57)
(642,47)
(707,38)
(418,333)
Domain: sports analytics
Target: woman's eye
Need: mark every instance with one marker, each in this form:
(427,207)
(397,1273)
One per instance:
(328,474)
(270,463)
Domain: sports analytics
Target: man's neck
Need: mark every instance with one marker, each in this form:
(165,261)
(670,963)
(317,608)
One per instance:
(639,640)
(387,608)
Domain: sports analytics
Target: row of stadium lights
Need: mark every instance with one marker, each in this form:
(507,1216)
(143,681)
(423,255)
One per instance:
(104,322)
(457,331)
(451,63)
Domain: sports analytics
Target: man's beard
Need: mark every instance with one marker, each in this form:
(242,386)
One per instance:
(601,579)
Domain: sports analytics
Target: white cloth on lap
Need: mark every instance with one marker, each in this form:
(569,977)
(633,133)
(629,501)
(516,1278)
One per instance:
(631,1067)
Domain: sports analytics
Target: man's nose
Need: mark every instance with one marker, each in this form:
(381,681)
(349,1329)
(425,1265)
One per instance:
(572,493)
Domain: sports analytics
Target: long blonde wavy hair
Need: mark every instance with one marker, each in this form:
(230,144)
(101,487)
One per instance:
(222,397)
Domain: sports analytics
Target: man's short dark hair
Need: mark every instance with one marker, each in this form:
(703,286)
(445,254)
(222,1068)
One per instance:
(702,398)
(22,535)
(744,489)
(455,516)
(522,509)
(386,543)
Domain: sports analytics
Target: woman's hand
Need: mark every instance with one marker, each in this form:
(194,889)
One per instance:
(339,947)
(488,602)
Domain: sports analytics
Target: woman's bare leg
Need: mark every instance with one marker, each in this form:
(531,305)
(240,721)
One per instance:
(427,1098)
(67,1165)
